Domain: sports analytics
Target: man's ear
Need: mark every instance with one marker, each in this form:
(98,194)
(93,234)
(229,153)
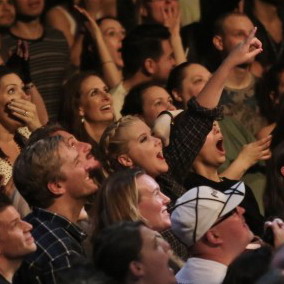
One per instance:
(213,237)
(150,66)
(136,268)
(177,96)
(143,11)
(125,160)
(218,42)
(57,188)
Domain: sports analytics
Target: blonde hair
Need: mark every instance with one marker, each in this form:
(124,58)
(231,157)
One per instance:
(113,142)
(118,199)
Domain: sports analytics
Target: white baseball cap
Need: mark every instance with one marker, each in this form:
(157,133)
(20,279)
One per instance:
(196,211)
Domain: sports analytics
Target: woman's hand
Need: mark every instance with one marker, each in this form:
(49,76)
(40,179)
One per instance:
(255,151)
(26,111)
(89,22)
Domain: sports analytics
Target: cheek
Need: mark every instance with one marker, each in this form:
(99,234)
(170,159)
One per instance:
(152,113)
(150,209)
(111,44)
(4,100)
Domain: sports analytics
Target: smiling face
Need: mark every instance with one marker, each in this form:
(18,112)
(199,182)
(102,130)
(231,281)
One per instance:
(92,166)
(113,34)
(95,101)
(155,256)
(155,100)
(16,240)
(153,203)
(144,150)
(7,13)
(76,169)
(11,88)
(212,153)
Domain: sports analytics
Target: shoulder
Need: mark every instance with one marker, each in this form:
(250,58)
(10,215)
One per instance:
(55,245)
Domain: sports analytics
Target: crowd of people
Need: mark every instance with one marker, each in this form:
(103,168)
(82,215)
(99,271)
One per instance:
(141,141)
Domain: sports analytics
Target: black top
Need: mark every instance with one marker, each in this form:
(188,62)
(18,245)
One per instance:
(252,215)
(3,280)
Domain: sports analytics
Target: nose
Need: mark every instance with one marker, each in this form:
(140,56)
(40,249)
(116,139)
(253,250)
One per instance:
(26,226)
(24,95)
(106,96)
(166,200)
(171,106)
(84,147)
(157,141)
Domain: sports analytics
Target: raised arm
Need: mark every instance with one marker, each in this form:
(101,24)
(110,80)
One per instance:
(171,18)
(209,97)
(111,73)
(191,128)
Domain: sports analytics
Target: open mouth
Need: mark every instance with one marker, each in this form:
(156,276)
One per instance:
(220,145)
(160,156)
(96,175)
(106,107)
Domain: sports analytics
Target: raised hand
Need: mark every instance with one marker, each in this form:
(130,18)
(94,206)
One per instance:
(256,151)
(245,51)
(89,22)
(171,19)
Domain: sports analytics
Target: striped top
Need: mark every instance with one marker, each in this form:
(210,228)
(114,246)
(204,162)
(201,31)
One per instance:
(49,65)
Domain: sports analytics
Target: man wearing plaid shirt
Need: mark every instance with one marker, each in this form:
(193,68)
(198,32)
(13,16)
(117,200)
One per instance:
(53,175)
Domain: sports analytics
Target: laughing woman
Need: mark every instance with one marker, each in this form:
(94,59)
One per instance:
(87,108)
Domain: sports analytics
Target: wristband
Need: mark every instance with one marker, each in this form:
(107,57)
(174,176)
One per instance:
(168,113)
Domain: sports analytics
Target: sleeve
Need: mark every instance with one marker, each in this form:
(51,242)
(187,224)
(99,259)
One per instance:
(187,137)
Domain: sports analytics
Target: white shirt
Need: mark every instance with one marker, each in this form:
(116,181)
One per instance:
(201,271)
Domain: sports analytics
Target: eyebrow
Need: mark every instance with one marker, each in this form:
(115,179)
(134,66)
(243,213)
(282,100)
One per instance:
(11,85)
(14,221)
(156,189)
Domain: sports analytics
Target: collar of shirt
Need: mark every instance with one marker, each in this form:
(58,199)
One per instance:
(60,221)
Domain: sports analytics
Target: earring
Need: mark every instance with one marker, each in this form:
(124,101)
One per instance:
(82,119)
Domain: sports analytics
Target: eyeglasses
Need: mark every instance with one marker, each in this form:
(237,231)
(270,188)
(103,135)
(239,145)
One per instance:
(226,216)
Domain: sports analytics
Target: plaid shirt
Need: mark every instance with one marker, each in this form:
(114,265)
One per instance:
(187,138)
(58,248)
